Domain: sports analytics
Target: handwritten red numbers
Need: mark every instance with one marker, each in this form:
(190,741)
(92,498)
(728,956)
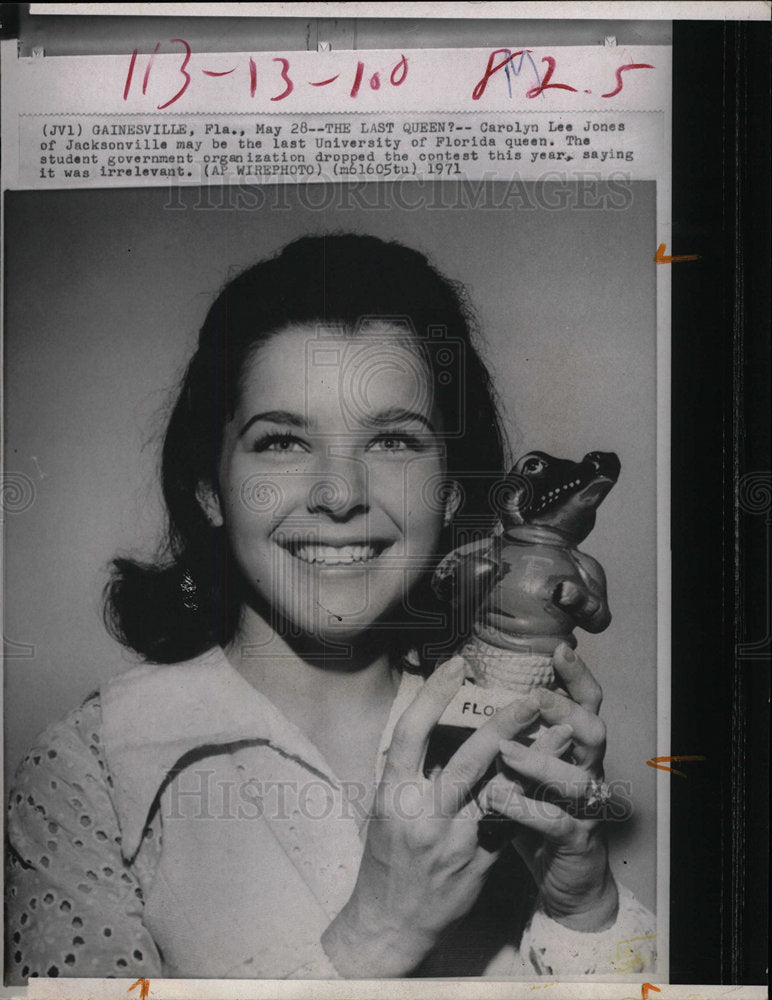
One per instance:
(542,83)
(290,86)
(149,66)
(183,71)
(491,69)
(398,74)
(130,74)
(358,78)
(620,71)
(283,82)
(545,84)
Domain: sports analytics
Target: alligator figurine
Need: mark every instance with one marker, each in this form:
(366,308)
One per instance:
(527,587)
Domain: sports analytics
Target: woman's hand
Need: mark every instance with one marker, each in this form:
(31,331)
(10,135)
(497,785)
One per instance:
(422,867)
(564,849)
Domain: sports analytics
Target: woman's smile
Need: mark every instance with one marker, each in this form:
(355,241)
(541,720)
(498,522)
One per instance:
(328,554)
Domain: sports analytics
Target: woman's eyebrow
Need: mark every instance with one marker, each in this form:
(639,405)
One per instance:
(397,415)
(275,417)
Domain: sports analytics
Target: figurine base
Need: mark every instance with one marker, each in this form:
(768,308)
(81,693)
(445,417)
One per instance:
(516,670)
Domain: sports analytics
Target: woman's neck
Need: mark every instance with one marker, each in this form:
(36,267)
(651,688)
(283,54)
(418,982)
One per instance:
(302,675)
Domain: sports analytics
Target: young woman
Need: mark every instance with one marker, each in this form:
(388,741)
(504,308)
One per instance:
(250,802)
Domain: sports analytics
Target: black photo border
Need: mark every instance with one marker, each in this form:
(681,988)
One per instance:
(719,861)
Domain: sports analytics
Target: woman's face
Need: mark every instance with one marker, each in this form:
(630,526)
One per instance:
(330,472)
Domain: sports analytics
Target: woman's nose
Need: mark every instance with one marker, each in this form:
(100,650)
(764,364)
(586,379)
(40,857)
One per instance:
(340,488)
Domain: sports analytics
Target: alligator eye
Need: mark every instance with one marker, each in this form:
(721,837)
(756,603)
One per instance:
(533,465)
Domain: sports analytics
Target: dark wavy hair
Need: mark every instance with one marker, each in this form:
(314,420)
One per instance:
(188,600)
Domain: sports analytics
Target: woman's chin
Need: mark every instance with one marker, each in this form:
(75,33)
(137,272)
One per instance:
(341,613)
(342,634)
(343,629)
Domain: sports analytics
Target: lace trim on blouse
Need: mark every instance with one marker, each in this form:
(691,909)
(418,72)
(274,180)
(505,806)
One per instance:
(74,906)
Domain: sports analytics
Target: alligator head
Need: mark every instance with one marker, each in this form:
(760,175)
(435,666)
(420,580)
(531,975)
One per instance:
(557,493)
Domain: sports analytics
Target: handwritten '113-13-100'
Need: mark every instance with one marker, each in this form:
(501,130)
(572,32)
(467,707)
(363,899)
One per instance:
(281,77)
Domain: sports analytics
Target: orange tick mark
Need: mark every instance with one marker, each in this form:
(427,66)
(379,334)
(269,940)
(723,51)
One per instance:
(645,990)
(660,257)
(659,764)
(144,988)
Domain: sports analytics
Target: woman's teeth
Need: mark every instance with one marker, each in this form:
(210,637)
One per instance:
(331,555)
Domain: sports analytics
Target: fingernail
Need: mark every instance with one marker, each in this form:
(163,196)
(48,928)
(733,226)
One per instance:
(524,708)
(509,748)
(566,653)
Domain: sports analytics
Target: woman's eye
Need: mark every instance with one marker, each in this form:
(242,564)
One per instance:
(393,443)
(279,443)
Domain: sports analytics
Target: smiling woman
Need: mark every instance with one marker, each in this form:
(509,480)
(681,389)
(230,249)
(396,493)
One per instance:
(346,460)
(357,358)
(334,437)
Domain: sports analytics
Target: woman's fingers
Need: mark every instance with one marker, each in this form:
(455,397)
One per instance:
(555,741)
(411,734)
(464,838)
(589,732)
(578,680)
(473,758)
(500,796)
(549,773)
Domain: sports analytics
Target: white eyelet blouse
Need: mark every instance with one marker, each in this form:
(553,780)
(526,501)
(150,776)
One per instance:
(178,825)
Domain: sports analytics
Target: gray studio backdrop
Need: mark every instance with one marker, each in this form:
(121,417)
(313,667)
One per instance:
(105,293)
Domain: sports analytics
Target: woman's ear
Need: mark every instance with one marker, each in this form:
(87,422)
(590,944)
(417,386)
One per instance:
(209,501)
(452,503)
